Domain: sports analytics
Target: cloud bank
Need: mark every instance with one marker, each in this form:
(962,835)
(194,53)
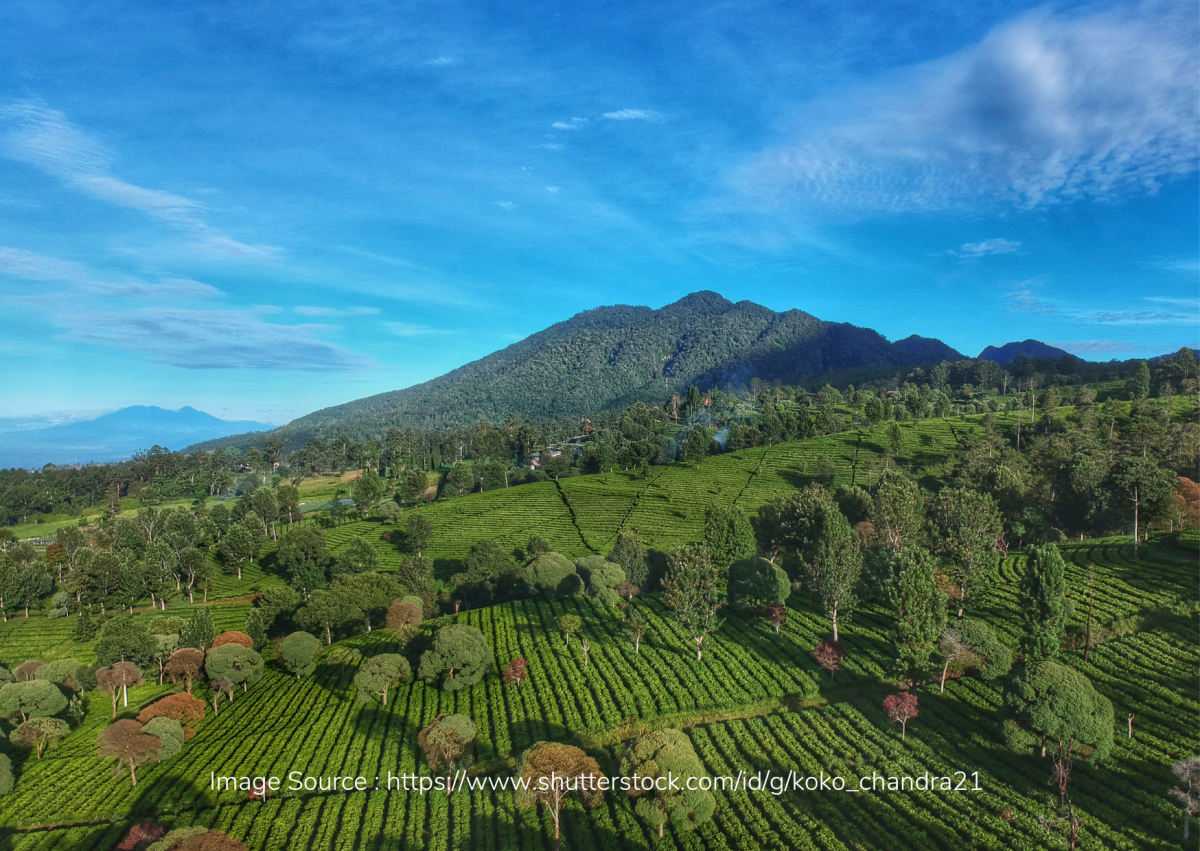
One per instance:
(1047,108)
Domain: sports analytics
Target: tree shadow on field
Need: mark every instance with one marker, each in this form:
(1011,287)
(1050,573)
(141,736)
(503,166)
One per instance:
(444,568)
(797,478)
(383,723)
(523,734)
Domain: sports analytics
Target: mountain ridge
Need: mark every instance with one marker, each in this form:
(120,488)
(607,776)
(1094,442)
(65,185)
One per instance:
(611,356)
(116,436)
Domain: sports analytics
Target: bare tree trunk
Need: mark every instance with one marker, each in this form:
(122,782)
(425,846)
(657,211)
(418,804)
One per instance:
(835,628)
(945,670)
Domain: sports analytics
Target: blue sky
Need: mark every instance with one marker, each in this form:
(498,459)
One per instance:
(259,209)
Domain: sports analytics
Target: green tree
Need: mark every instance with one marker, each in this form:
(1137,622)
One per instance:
(920,612)
(39,734)
(755,582)
(486,561)
(569,625)
(691,584)
(1139,385)
(602,577)
(368,490)
(371,592)
(1140,482)
(303,555)
(199,632)
(630,554)
(1045,604)
(235,663)
(964,527)
(459,480)
(554,575)
(125,638)
(358,556)
(728,534)
(326,611)
(240,545)
(31,699)
(1058,707)
(418,531)
(447,743)
(298,651)
(667,754)
(412,485)
(460,657)
(170,732)
(897,511)
(379,673)
(814,528)
(697,445)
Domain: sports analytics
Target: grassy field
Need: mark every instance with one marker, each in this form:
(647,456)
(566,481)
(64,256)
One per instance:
(757,702)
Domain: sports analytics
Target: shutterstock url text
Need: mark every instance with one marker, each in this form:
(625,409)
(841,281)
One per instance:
(769,782)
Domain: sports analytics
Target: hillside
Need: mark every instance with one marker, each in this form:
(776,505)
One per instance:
(614,356)
(1009,352)
(115,436)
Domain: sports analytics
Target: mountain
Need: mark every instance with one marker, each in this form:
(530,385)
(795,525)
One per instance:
(115,436)
(1009,352)
(611,357)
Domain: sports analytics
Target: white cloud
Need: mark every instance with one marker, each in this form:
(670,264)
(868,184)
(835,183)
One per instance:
(1102,347)
(1048,107)
(210,339)
(632,115)
(1023,300)
(988,246)
(562,125)
(505,205)
(43,138)
(553,190)
(19,263)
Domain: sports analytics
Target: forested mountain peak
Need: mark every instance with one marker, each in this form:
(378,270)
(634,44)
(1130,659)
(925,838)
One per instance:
(612,356)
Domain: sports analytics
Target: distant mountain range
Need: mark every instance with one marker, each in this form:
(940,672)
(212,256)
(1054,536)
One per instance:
(1009,352)
(611,357)
(115,436)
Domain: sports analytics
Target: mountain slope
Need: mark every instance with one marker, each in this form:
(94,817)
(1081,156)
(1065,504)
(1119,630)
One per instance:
(610,357)
(1006,354)
(115,436)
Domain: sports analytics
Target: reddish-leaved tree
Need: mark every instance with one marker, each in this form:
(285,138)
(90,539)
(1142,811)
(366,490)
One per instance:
(185,664)
(901,708)
(516,672)
(125,742)
(233,637)
(829,655)
(776,615)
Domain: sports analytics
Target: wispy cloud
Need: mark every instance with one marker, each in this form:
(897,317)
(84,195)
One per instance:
(1048,107)
(1025,300)
(505,205)
(210,339)
(1103,347)
(336,311)
(19,263)
(43,138)
(988,246)
(1186,265)
(632,115)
